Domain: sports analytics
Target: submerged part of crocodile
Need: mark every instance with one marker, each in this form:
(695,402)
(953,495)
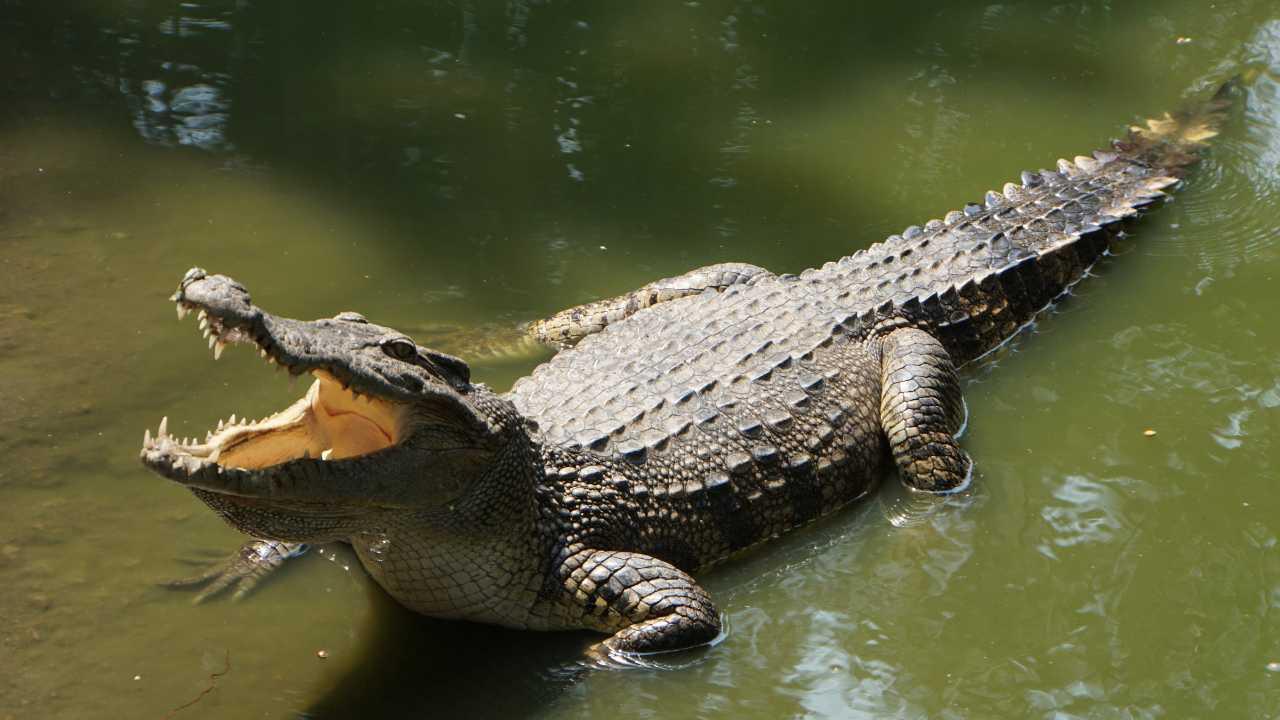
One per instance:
(696,417)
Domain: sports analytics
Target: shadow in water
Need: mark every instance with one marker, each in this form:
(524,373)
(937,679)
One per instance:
(417,666)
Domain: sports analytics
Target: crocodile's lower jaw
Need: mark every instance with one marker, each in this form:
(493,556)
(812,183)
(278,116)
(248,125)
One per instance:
(330,422)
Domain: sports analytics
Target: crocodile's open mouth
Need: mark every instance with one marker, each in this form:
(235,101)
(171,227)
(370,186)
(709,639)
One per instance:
(331,422)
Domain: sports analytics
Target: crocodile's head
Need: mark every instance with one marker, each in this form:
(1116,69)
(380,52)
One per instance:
(386,424)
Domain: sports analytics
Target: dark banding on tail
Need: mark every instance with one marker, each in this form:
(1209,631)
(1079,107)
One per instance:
(1076,212)
(976,276)
(1074,215)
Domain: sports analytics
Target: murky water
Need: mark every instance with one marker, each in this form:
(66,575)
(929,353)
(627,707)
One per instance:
(444,166)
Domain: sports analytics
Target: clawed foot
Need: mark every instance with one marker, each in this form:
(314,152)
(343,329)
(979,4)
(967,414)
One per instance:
(618,652)
(904,506)
(602,656)
(241,572)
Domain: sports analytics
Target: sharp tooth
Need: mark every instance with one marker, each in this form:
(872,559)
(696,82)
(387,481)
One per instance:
(217,349)
(203,315)
(212,340)
(204,323)
(232,421)
(164,426)
(325,455)
(220,424)
(146,438)
(182,312)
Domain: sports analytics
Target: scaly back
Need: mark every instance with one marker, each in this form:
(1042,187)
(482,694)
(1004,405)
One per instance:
(971,279)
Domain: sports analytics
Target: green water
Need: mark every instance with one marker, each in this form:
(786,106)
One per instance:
(464,164)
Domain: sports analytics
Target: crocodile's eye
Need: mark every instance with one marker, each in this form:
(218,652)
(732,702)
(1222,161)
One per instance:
(349,316)
(400,349)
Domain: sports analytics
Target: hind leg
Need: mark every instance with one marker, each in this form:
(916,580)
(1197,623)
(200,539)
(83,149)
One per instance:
(921,411)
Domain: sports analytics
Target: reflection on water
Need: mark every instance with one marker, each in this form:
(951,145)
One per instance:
(1090,512)
(456,168)
(194,115)
(175,71)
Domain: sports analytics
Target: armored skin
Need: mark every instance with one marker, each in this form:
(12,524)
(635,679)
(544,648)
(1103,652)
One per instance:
(680,424)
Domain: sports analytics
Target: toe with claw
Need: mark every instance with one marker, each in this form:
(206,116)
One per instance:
(242,572)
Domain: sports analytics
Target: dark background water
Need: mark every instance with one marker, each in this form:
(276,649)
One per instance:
(473,165)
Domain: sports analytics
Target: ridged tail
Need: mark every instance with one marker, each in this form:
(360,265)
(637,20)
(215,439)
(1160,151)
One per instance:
(978,275)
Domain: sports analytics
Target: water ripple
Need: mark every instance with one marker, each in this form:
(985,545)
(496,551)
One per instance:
(1242,170)
(1161,357)
(1089,512)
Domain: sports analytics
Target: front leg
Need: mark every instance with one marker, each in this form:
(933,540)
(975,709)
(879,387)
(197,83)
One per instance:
(921,411)
(648,605)
(247,567)
(567,327)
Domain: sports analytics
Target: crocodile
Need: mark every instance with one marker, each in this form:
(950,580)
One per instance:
(678,425)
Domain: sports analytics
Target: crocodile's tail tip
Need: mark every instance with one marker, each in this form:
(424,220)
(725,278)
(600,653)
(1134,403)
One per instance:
(1174,140)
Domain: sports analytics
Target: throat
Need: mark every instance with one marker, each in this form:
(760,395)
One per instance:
(453,573)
